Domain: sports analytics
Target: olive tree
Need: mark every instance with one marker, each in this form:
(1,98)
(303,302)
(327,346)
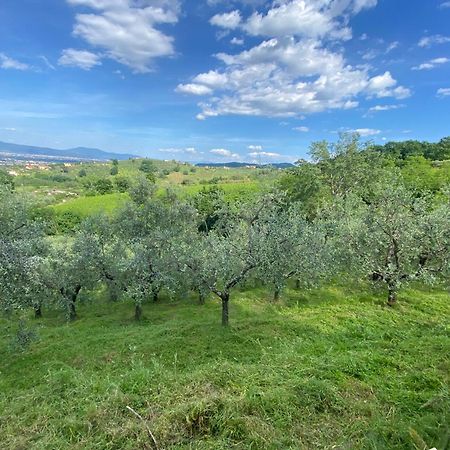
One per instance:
(151,232)
(223,258)
(394,239)
(22,247)
(293,248)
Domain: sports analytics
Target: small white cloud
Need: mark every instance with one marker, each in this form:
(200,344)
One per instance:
(264,154)
(229,20)
(193,89)
(443,92)
(8,129)
(364,132)
(444,5)
(79,58)
(221,152)
(255,148)
(237,41)
(428,41)
(9,63)
(392,46)
(385,107)
(431,64)
(301,129)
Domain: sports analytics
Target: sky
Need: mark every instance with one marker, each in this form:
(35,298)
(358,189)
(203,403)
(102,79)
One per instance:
(222,80)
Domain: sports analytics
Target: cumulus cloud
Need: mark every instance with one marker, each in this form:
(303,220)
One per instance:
(237,41)
(193,88)
(9,63)
(221,152)
(126,30)
(431,64)
(443,92)
(79,58)
(365,132)
(428,41)
(301,129)
(292,71)
(229,20)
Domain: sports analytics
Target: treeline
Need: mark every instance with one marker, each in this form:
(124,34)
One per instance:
(438,151)
(348,214)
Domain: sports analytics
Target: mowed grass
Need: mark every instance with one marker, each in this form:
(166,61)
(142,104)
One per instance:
(326,369)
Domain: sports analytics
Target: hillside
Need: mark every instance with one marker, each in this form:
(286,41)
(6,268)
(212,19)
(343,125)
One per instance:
(330,368)
(10,152)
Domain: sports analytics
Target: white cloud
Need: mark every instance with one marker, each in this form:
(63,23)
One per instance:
(229,20)
(264,154)
(255,148)
(237,41)
(443,92)
(193,88)
(126,29)
(428,41)
(9,63)
(364,132)
(301,129)
(293,72)
(79,58)
(221,152)
(385,86)
(313,19)
(385,107)
(392,46)
(431,64)
(444,5)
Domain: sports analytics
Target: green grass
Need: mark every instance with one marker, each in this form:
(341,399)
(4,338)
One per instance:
(86,206)
(331,368)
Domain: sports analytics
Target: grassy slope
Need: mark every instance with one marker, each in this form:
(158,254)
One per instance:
(330,369)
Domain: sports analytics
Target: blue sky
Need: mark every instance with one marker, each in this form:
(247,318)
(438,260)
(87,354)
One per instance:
(216,80)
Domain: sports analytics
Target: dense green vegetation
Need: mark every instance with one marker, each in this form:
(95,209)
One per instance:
(322,369)
(332,279)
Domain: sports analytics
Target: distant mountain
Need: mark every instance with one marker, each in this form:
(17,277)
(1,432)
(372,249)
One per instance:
(235,164)
(16,152)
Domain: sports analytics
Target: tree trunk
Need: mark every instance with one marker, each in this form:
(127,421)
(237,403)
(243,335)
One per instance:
(37,312)
(72,310)
(137,312)
(392,296)
(297,284)
(155,295)
(112,291)
(225,300)
(276,294)
(201,297)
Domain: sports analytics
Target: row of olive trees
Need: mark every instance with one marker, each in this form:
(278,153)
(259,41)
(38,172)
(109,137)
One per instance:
(156,244)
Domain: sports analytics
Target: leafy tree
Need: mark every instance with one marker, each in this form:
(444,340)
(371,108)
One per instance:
(6,181)
(210,204)
(141,191)
(82,173)
(293,248)
(122,184)
(104,186)
(22,248)
(152,231)
(395,239)
(147,166)
(114,170)
(228,254)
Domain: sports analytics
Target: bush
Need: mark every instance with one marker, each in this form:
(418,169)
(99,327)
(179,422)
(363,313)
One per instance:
(122,184)
(82,173)
(104,186)
(67,222)
(114,171)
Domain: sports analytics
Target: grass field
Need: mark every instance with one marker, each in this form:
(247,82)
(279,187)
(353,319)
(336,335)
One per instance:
(327,369)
